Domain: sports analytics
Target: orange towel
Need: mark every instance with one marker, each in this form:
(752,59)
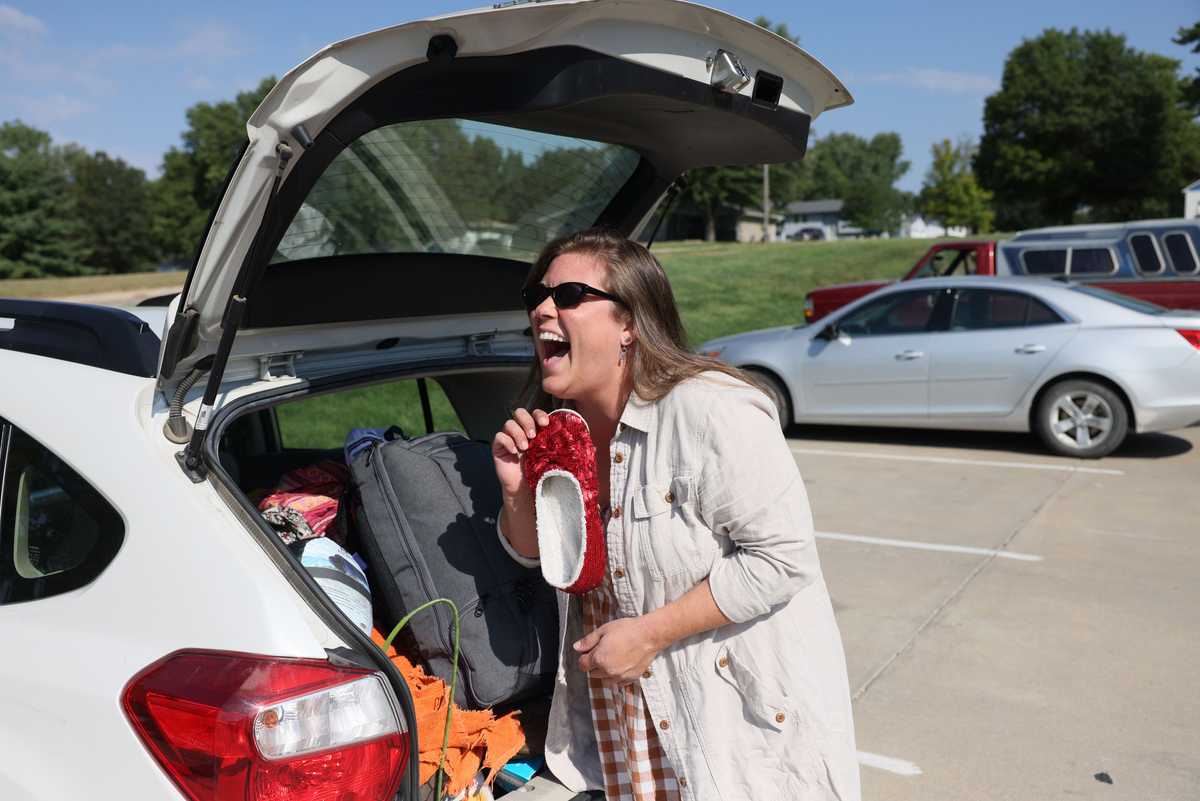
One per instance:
(478,739)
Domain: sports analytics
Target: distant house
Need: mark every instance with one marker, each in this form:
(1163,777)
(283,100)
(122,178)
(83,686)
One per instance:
(917,227)
(817,219)
(749,226)
(1191,199)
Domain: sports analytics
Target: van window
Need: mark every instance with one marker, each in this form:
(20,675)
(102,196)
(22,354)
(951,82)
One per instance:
(1145,254)
(1091,261)
(324,421)
(1183,255)
(1045,262)
(57,533)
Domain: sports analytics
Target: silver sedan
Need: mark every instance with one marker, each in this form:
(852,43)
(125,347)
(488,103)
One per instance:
(1079,366)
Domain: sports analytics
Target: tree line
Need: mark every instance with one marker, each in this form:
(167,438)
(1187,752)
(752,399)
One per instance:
(1083,128)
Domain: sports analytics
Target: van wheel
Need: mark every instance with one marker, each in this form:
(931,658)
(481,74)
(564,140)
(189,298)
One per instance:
(774,390)
(1081,418)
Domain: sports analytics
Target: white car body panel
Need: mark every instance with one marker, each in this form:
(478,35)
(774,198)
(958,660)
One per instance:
(866,376)
(188,575)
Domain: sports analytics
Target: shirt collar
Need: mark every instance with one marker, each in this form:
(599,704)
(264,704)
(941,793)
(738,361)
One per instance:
(639,413)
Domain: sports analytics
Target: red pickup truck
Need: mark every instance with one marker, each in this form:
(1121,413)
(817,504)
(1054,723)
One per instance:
(1155,260)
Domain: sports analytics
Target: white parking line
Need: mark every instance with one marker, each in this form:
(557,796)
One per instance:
(929,546)
(901,767)
(972,462)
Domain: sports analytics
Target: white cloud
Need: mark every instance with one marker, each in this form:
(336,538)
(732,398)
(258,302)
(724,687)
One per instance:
(12,19)
(931,79)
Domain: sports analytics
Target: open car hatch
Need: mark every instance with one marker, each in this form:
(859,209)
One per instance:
(405,179)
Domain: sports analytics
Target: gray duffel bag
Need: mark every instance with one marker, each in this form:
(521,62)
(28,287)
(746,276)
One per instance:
(425,515)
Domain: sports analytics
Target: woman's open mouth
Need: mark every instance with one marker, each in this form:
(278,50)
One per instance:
(554,347)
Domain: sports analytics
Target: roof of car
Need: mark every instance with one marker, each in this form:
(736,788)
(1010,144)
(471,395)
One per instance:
(97,336)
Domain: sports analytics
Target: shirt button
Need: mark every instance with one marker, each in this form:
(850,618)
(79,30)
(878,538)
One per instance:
(620,457)
(647,674)
(779,717)
(616,512)
(682,782)
(618,573)
(723,662)
(664,724)
(670,497)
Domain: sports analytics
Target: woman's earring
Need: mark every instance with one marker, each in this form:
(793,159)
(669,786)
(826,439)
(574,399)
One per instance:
(621,358)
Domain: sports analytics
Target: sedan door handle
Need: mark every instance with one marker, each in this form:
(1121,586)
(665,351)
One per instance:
(1031,349)
(909,355)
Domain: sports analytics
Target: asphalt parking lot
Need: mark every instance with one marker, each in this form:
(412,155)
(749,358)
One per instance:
(1017,625)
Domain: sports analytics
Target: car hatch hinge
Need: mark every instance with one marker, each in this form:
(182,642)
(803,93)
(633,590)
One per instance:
(277,366)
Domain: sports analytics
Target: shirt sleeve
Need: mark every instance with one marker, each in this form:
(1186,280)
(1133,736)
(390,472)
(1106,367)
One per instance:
(750,490)
(523,561)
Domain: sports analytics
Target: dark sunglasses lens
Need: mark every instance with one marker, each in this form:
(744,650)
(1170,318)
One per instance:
(534,295)
(567,296)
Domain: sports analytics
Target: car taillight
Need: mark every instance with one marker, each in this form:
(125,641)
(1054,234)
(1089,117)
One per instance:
(1192,335)
(240,727)
(809,309)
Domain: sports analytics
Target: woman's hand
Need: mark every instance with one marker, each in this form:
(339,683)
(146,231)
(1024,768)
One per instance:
(512,441)
(621,649)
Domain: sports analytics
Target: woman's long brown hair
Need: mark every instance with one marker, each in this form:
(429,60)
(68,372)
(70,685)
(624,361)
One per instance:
(660,358)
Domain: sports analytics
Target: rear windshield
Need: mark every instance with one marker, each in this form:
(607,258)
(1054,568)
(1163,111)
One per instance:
(1143,306)
(455,186)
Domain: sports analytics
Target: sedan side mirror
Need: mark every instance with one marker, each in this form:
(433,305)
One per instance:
(829,332)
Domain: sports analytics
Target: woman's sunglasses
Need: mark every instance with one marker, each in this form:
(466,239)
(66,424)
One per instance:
(567,295)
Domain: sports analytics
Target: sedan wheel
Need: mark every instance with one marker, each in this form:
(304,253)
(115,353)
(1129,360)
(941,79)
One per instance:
(774,390)
(1083,419)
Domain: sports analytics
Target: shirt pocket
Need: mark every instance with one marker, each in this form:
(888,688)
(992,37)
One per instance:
(664,521)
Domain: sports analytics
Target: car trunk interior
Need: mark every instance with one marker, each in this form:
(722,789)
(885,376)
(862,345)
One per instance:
(267,435)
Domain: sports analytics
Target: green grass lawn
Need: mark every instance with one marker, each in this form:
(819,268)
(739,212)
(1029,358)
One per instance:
(88,284)
(729,288)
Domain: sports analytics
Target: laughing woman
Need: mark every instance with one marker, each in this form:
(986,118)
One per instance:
(707,664)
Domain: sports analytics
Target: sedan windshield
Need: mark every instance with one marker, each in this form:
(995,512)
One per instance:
(1133,304)
(455,186)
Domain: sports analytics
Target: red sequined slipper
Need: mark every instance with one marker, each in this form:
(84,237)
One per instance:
(560,468)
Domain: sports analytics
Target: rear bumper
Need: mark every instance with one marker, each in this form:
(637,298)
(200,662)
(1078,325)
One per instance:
(1167,417)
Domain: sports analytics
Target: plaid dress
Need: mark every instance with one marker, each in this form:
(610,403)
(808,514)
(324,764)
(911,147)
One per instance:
(634,762)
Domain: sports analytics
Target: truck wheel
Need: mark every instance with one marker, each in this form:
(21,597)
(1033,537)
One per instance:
(1081,418)
(774,390)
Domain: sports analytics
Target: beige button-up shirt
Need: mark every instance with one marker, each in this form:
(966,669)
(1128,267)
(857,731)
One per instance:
(703,485)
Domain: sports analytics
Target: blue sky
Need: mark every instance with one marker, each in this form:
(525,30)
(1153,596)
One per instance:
(118,75)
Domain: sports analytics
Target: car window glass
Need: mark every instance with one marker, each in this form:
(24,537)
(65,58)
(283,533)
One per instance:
(455,186)
(1041,314)
(1045,262)
(324,421)
(975,309)
(902,313)
(1145,254)
(1092,261)
(1179,248)
(57,533)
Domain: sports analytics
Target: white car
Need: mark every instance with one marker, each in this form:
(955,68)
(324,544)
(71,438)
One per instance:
(1080,366)
(159,640)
